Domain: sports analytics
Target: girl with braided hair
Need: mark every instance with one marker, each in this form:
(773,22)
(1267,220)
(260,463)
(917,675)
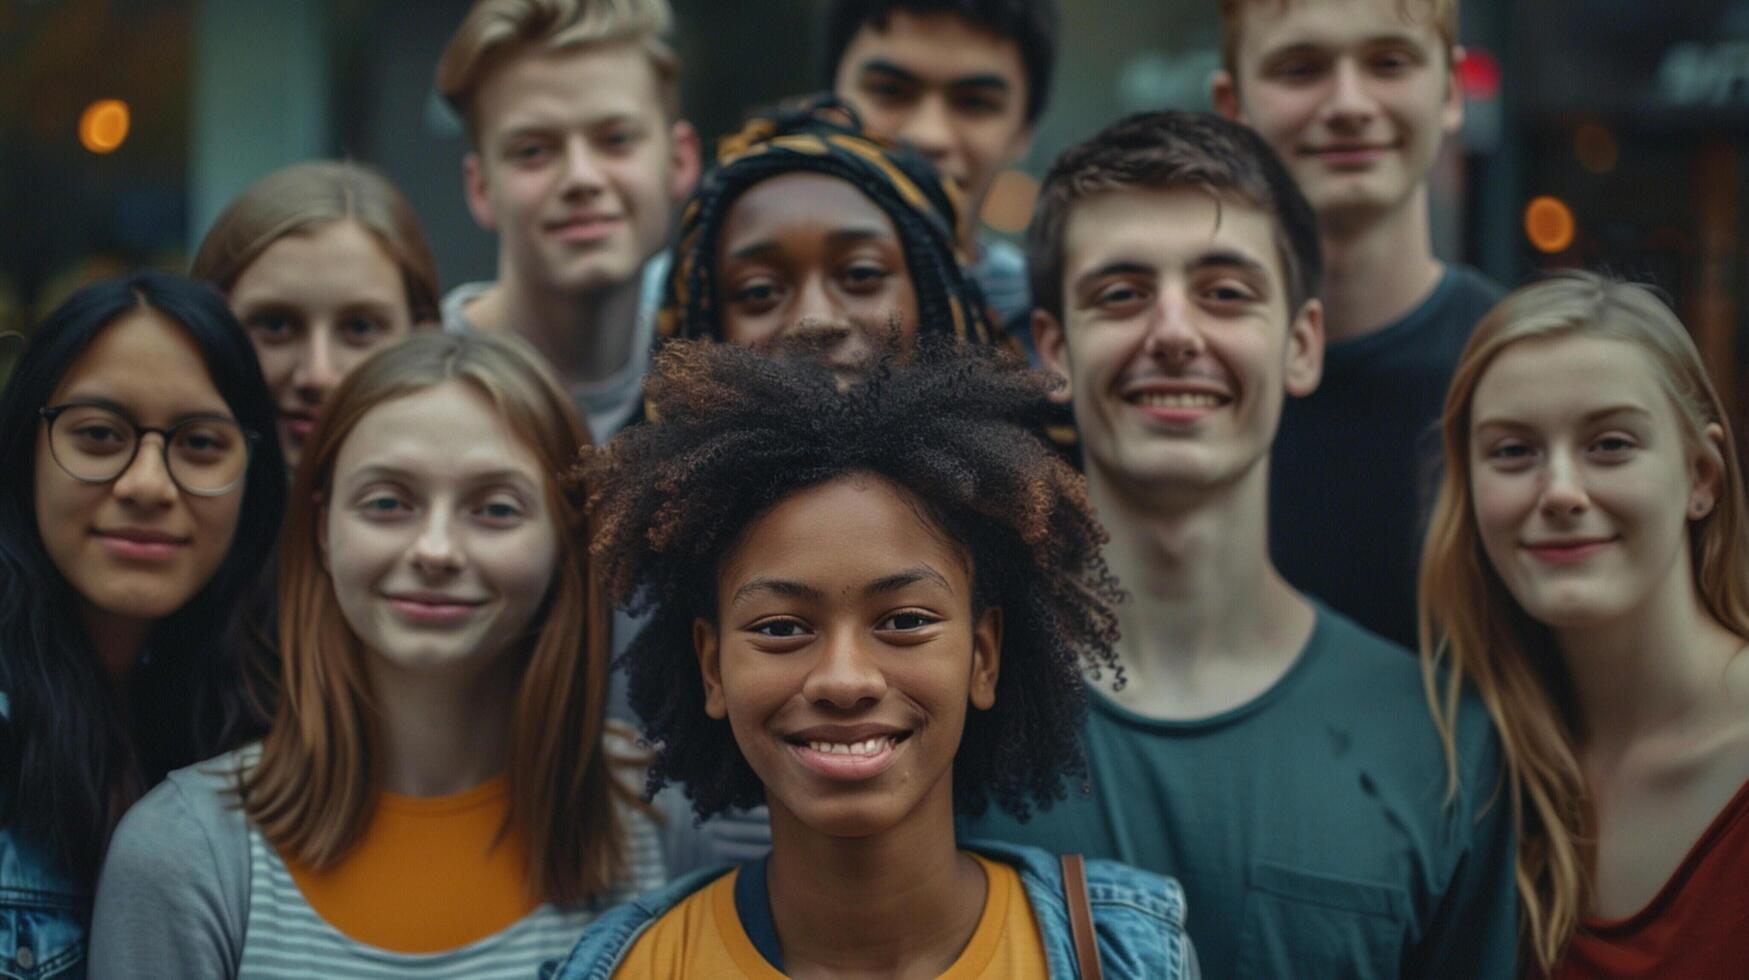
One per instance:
(869,608)
(808,227)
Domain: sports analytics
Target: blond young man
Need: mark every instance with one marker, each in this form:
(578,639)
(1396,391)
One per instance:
(1356,97)
(579,159)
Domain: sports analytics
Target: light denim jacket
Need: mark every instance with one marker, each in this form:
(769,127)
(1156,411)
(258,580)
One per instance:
(1138,916)
(42,915)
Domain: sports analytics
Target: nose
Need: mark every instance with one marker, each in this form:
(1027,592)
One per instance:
(1349,103)
(1173,335)
(315,374)
(146,482)
(817,314)
(581,176)
(1563,492)
(844,675)
(435,551)
(929,129)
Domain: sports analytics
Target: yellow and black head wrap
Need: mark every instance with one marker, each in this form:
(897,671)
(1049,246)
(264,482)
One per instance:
(823,135)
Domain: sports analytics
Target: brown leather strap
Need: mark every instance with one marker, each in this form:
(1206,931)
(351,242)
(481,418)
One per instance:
(1081,918)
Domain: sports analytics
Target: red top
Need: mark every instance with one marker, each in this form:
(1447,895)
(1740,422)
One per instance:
(1696,928)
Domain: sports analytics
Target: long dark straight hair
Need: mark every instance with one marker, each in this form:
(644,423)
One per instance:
(75,751)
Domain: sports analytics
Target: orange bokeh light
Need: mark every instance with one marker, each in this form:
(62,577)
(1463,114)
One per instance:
(104,125)
(1549,224)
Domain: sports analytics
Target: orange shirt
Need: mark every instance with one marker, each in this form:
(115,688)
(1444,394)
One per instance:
(703,937)
(428,875)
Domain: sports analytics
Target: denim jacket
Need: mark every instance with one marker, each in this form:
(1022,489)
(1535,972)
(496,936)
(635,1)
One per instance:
(42,915)
(1138,916)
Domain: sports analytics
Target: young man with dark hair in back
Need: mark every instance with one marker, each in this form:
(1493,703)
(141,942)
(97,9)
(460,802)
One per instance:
(964,82)
(1356,97)
(1275,758)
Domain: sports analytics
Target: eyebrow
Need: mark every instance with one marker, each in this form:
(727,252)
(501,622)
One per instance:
(1587,418)
(273,301)
(776,586)
(389,471)
(1230,259)
(1319,47)
(1217,259)
(614,116)
(839,238)
(979,80)
(98,401)
(908,577)
(884,585)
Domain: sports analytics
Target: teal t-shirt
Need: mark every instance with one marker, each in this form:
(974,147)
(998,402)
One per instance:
(1310,827)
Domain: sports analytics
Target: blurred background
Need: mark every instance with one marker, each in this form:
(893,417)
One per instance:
(1601,133)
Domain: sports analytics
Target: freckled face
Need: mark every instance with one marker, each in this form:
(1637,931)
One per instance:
(137,547)
(808,256)
(845,654)
(316,304)
(438,534)
(1583,483)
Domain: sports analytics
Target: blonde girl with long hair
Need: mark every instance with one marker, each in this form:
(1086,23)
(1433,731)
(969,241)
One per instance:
(1587,570)
(437,795)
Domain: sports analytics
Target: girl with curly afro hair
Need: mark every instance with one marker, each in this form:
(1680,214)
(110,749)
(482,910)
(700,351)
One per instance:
(871,609)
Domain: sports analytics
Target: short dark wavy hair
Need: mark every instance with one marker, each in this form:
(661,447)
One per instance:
(738,431)
(1162,151)
(1032,24)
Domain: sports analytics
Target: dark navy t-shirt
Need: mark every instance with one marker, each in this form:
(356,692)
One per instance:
(1355,464)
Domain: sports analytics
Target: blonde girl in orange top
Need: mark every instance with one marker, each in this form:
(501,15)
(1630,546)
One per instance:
(435,797)
(1587,570)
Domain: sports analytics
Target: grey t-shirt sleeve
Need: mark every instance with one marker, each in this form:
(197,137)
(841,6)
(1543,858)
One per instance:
(172,899)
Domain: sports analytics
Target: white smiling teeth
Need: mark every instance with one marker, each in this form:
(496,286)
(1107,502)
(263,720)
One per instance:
(872,746)
(1177,399)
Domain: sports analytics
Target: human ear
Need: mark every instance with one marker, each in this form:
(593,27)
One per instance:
(683,159)
(1224,94)
(1451,114)
(1305,350)
(986,658)
(1708,477)
(1052,344)
(478,195)
(710,667)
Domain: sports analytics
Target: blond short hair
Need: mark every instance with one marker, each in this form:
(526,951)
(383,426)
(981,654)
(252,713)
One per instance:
(493,30)
(1444,16)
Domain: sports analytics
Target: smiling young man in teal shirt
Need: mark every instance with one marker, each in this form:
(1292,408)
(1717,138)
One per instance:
(1274,757)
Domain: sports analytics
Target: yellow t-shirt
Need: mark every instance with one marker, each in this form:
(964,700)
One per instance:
(703,937)
(429,874)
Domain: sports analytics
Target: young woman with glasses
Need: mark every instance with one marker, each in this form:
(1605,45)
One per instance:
(140,491)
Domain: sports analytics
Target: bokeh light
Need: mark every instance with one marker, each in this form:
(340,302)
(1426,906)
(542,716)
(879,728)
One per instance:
(1596,148)
(103,127)
(1549,224)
